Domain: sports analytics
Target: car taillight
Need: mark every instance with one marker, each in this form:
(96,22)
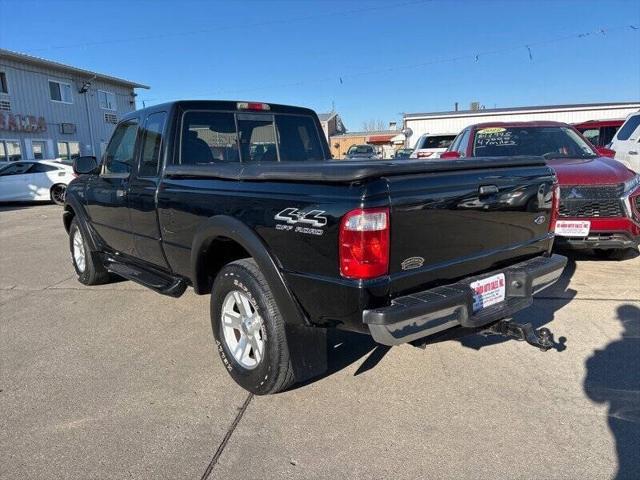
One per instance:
(555,206)
(424,154)
(364,243)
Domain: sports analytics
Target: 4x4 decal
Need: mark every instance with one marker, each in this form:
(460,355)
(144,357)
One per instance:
(310,221)
(313,218)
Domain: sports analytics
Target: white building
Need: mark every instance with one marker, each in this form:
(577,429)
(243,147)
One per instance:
(48,109)
(453,122)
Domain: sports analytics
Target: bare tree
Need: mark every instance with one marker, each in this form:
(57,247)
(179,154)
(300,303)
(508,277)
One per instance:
(373,125)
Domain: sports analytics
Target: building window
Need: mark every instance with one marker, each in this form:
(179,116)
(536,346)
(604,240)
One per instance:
(5,105)
(3,83)
(10,151)
(107,100)
(39,149)
(60,92)
(68,150)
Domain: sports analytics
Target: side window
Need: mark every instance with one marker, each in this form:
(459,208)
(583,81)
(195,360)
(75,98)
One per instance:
(208,137)
(17,169)
(593,135)
(42,168)
(151,143)
(628,128)
(119,157)
(462,147)
(606,135)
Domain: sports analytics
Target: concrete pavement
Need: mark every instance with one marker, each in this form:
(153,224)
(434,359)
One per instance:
(116,381)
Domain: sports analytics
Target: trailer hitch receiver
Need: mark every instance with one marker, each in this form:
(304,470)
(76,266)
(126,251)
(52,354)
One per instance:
(541,338)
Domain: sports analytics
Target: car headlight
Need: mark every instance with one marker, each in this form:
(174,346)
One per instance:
(631,185)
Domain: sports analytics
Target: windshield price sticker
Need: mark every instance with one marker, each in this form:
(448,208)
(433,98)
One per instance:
(488,291)
(566,228)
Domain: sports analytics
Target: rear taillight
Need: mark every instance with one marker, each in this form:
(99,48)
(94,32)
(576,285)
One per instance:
(424,154)
(364,243)
(555,206)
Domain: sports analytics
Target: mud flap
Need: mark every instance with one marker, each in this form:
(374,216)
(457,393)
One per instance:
(308,351)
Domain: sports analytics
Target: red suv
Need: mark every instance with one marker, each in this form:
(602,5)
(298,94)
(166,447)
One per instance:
(599,196)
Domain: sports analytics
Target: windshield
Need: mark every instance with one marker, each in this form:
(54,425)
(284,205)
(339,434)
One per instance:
(437,141)
(360,149)
(548,142)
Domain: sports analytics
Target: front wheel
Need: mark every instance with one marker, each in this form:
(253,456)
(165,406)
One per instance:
(249,329)
(57,193)
(89,270)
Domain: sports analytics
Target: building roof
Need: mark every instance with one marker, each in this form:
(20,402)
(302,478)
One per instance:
(42,62)
(489,111)
(325,117)
(366,134)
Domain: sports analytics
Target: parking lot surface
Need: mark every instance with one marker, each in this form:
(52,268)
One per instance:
(116,381)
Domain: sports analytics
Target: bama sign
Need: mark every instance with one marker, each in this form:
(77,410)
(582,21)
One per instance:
(22,123)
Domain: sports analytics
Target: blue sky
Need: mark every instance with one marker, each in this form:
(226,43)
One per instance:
(371,59)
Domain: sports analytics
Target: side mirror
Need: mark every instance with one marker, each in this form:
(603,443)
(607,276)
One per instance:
(450,155)
(606,152)
(85,165)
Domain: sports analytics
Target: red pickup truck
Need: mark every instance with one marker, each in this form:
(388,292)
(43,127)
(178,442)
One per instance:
(599,196)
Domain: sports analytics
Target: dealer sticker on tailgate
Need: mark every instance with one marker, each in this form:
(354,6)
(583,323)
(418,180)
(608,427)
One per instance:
(488,291)
(572,228)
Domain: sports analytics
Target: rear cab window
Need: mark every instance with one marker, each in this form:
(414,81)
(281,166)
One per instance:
(212,137)
(437,141)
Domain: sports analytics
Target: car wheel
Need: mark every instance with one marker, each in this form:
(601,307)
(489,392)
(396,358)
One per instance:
(90,271)
(249,329)
(57,193)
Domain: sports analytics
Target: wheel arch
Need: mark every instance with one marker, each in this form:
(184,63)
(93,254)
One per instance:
(222,239)
(73,209)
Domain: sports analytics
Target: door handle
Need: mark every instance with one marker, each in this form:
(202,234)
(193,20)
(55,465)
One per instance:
(121,193)
(632,152)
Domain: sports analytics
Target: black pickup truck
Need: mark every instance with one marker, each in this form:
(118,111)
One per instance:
(242,201)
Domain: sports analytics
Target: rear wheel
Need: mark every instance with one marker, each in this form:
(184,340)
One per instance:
(89,270)
(249,329)
(57,193)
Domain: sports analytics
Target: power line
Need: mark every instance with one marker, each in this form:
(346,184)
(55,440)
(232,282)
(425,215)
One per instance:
(234,26)
(474,56)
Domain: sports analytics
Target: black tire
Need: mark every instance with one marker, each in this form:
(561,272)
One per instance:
(57,193)
(274,372)
(93,272)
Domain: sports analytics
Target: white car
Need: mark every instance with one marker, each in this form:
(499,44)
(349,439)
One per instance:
(626,142)
(432,145)
(29,180)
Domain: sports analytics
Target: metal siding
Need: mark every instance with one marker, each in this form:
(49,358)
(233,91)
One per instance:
(29,95)
(453,124)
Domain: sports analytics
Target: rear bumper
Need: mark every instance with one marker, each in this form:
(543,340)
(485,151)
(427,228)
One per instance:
(425,313)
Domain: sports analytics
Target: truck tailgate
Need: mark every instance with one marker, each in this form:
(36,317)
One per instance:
(448,225)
